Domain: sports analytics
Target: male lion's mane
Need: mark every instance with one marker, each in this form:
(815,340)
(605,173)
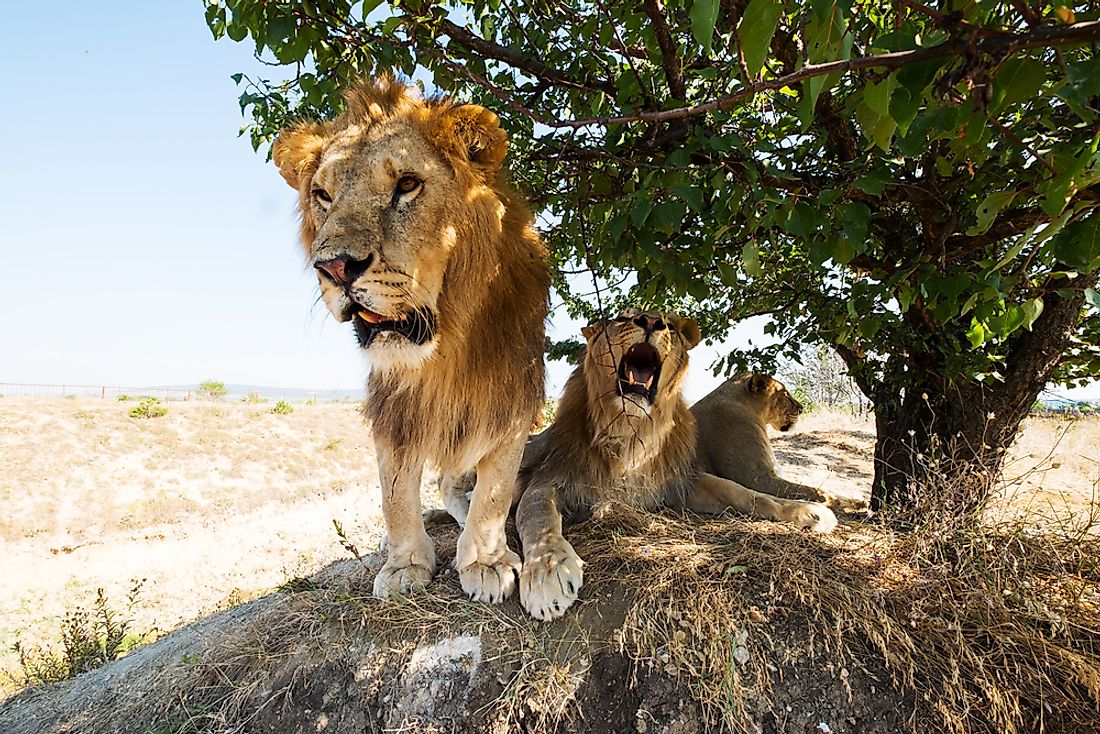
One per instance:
(487,373)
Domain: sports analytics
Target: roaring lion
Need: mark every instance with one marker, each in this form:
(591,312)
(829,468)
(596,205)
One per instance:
(623,432)
(732,422)
(419,241)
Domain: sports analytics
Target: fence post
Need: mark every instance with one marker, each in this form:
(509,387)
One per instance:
(103,392)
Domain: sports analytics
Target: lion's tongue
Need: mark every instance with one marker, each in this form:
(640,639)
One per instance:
(639,376)
(371,317)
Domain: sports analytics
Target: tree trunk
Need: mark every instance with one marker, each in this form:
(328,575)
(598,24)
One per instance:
(943,441)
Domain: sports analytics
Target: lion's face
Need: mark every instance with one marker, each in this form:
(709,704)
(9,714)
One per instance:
(638,359)
(780,409)
(386,192)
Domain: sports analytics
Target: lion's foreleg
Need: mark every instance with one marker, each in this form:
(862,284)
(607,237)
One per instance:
(714,495)
(552,571)
(410,557)
(487,567)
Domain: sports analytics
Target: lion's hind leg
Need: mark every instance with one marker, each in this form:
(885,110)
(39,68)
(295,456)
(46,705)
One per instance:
(781,487)
(714,495)
(552,571)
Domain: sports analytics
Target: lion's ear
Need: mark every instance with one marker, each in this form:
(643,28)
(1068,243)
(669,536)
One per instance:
(758,382)
(475,135)
(690,331)
(297,152)
(592,330)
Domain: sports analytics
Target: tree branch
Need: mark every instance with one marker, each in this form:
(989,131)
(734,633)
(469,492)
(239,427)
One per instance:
(490,50)
(1008,43)
(670,58)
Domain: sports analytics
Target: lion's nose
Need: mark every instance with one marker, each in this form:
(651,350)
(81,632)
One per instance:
(649,323)
(345,269)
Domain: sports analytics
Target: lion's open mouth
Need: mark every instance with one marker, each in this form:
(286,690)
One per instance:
(418,327)
(640,371)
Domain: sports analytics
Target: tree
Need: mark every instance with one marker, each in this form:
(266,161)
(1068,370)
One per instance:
(212,390)
(913,185)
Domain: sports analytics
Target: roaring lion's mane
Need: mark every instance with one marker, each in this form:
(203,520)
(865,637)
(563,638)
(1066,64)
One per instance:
(598,453)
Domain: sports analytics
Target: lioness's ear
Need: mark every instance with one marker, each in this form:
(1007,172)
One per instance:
(593,329)
(474,134)
(758,382)
(297,151)
(690,331)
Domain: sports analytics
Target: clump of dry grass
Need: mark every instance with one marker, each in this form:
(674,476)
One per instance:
(994,628)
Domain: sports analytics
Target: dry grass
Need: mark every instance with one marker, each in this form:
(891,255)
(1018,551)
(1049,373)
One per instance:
(997,629)
(992,628)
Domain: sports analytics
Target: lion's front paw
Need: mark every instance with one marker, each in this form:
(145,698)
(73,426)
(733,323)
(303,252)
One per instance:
(404,573)
(847,505)
(811,516)
(550,581)
(491,579)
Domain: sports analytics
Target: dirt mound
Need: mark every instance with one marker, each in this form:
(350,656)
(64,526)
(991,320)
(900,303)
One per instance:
(686,625)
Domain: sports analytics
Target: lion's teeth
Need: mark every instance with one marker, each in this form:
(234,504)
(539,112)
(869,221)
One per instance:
(630,376)
(370,316)
(648,383)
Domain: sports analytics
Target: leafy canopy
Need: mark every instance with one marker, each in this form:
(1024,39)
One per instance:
(890,178)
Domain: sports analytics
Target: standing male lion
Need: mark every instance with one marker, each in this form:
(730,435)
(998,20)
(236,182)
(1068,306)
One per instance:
(418,240)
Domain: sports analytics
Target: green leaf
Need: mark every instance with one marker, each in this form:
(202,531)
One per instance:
(693,196)
(977,334)
(1092,297)
(879,129)
(755,31)
(1078,244)
(989,209)
(703,14)
(750,258)
(877,95)
(1018,80)
(1031,311)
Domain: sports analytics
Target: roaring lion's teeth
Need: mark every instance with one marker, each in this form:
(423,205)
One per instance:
(648,383)
(630,376)
(370,316)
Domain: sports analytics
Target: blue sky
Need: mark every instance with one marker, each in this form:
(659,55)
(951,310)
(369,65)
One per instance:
(144,243)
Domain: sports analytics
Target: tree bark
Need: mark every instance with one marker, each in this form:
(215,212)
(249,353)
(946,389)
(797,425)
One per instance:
(942,442)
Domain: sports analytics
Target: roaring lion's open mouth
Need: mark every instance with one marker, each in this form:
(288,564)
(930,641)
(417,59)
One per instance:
(418,326)
(640,371)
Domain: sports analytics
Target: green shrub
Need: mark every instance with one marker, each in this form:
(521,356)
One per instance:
(148,408)
(283,408)
(90,637)
(212,390)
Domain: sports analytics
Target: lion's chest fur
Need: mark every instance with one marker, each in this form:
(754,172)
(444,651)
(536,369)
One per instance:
(640,465)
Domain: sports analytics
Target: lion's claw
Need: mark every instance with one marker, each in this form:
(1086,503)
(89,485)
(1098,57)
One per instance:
(549,582)
(492,580)
(397,578)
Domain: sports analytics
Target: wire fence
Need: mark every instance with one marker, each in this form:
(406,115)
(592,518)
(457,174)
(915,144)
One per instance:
(115,392)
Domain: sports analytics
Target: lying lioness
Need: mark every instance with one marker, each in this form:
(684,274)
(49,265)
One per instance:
(623,432)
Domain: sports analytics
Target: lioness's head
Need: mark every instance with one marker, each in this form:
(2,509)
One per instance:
(778,408)
(394,194)
(637,359)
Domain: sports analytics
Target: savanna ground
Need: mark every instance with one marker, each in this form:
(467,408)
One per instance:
(215,503)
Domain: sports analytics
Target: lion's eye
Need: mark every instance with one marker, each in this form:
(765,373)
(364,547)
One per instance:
(322,195)
(621,319)
(408,184)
